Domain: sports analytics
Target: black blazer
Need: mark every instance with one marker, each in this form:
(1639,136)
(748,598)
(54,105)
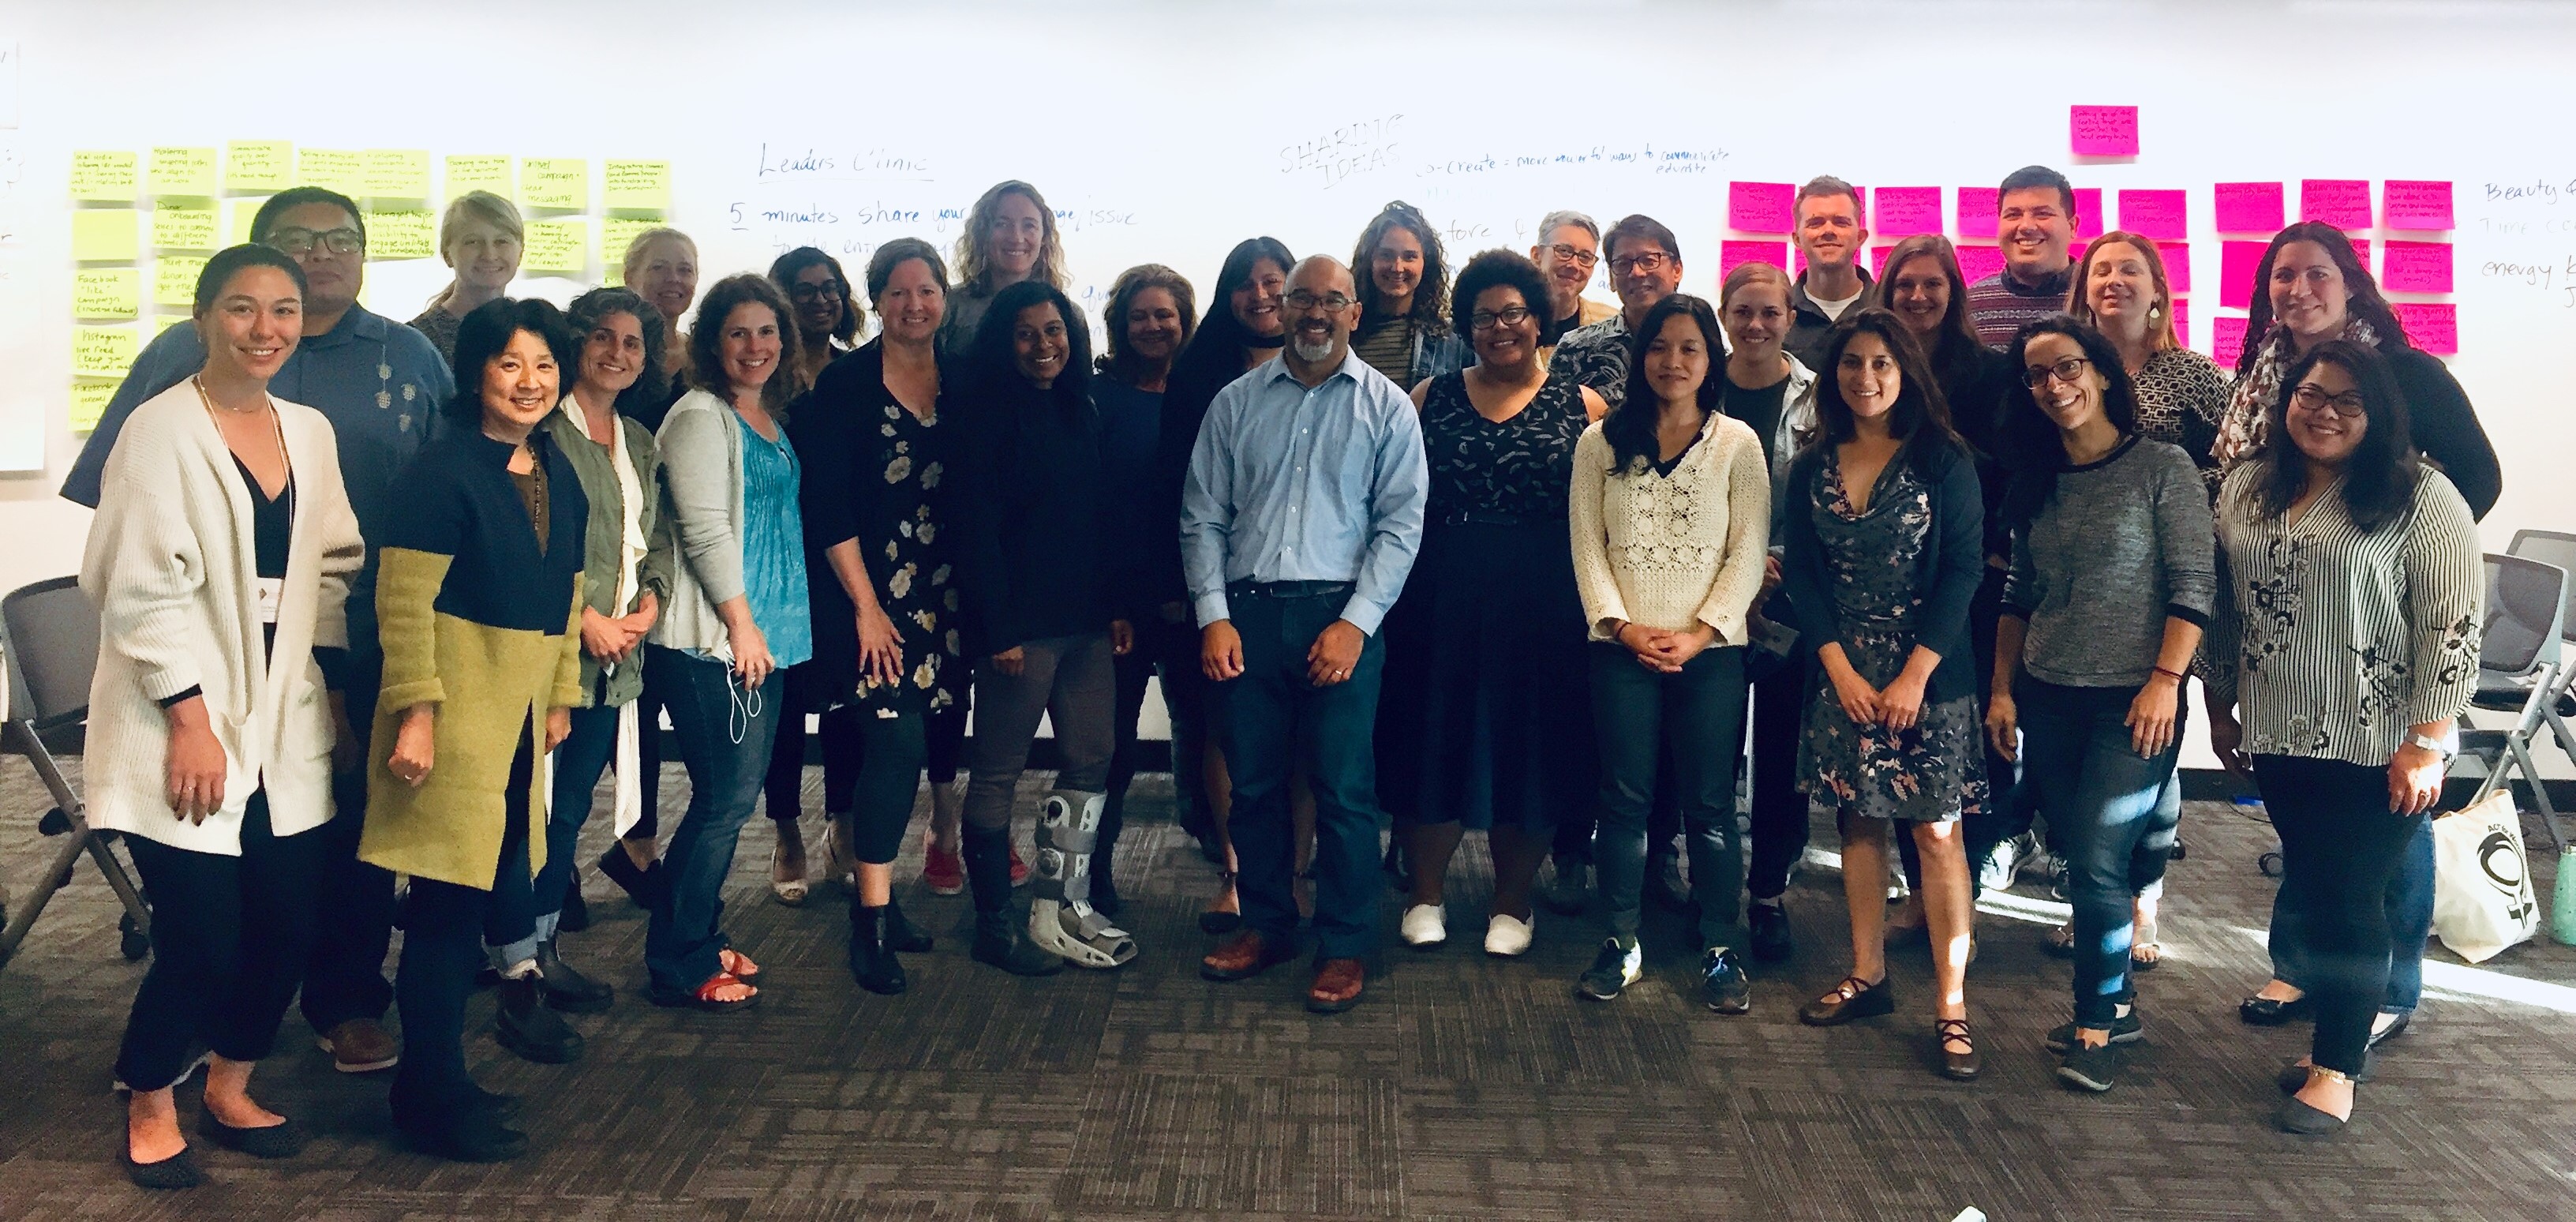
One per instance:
(1947,578)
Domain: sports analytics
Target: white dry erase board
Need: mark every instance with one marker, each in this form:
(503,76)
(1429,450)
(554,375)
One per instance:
(1168,131)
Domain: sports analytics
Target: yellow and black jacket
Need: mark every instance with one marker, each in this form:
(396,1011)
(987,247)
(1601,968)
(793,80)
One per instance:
(480,620)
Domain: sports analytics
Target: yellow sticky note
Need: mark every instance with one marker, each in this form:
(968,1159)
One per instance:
(174,280)
(266,166)
(103,176)
(639,186)
(401,234)
(89,404)
(186,229)
(554,182)
(398,173)
(107,292)
(616,234)
(342,170)
(562,247)
(182,171)
(104,352)
(244,212)
(103,235)
(479,172)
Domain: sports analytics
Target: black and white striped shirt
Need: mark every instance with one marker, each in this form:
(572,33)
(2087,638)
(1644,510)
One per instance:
(2331,641)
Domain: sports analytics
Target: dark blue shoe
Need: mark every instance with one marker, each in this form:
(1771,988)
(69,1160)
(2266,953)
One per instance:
(1722,983)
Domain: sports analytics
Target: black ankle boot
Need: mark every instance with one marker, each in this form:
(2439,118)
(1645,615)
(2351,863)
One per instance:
(872,962)
(575,914)
(526,1026)
(900,934)
(566,989)
(1001,933)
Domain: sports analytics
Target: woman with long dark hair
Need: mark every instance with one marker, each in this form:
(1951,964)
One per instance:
(2346,637)
(1884,524)
(2110,588)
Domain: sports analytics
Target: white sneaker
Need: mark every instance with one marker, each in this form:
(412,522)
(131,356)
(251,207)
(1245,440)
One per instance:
(1425,925)
(1509,936)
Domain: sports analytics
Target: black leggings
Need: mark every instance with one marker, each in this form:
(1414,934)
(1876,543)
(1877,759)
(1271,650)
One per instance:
(445,928)
(847,734)
(229,940)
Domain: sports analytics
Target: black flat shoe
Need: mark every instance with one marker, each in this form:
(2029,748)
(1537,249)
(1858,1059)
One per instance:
(649,886)
(284,1140)
(2261,1011)
(177,1171)
(1852,999)
(2296,1116)
(2394,1030)
(1956,1066)
(575,914)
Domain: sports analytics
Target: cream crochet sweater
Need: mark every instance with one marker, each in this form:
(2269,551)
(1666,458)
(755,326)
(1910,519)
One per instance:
(1672,551)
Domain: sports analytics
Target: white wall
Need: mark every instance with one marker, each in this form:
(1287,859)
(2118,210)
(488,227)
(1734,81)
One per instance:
(1169,131)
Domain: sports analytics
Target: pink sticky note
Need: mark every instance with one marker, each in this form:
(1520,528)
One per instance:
(2088,213)
(1761,207)
(2416,267)
(1975,212)
(2411,203)
(2341,202)
(2182,322)
(2361,248)
(1734,251)
(2177,259)
(2237,263)
(1903,212)
(2154,214)
(2433,326)
(1978,262)
(2103,131)
(2250,207)
(1878,262)
(2226,340)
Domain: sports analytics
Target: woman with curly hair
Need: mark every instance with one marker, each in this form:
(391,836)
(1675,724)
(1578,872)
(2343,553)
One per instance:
(1009,236)
(1404,330)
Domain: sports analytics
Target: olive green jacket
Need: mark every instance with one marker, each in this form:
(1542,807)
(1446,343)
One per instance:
(606,536)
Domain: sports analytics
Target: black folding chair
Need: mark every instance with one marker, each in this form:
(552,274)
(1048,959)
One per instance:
(49,641)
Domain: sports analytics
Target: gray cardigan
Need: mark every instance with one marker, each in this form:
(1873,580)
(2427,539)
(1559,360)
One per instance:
(701,451)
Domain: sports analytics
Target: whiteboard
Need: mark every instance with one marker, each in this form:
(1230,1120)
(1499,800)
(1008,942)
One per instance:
(1166,132)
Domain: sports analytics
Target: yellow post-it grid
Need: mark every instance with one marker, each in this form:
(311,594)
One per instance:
(185,172)
(104,235)
(107,292)
(554,182)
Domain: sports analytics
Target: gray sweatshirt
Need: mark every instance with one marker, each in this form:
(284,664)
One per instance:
(2122,544)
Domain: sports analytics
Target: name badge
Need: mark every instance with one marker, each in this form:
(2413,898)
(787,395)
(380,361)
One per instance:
(270,589)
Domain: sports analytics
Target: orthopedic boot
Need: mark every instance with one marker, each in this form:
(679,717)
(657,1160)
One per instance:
(1061,917)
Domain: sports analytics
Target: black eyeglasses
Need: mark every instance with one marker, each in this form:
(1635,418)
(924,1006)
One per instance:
(2310,397)
(1332,302)
(1508,316)
(1650,261)
(2066,370)
(1580,258)
(816,292)
(300,242)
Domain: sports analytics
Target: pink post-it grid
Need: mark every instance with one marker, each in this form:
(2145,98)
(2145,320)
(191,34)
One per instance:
(2226,340)
(2182,322)
(2177,261)
(2237,263)
(1760,207)
(2433,326)
(2414,203)
(2415,267)
(1978,262)
(2154,214)
(1903,212)
(2088,213)
(2103,131)
(2250,207)
(2341,202)
(1974,213)
(1735,251)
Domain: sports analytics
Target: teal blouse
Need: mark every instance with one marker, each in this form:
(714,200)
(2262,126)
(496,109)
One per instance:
(773,546)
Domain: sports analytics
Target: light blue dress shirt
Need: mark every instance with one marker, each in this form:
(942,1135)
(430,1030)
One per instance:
(1292,484)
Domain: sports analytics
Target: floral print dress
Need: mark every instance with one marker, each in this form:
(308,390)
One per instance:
(908,558)
(1934,771)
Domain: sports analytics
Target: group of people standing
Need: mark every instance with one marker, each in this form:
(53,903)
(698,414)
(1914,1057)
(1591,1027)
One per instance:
(1470,551)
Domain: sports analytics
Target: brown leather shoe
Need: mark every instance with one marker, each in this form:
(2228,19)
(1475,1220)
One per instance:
(1246,955)
(360,1045)
(1337,987)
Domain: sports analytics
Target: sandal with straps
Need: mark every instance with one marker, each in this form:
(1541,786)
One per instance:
(1957,1066)
(738,965)
(704,996)
(1220,923)
(2145,952)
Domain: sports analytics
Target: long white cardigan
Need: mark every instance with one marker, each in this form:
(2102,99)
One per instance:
(171,567)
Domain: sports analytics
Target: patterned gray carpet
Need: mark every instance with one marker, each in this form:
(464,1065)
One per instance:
(1462,1089)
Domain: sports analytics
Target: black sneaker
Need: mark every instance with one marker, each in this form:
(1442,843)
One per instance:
(2093,1069)
(2126,1029)
(1770,932)
(1722,983)
(1614,969)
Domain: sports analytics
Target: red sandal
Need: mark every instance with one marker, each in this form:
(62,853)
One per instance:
(704,996)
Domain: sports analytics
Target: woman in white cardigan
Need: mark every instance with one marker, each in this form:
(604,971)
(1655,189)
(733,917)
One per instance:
(219,561)
(1671,515)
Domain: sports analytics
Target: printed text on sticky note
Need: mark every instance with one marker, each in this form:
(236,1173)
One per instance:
(2103,131)
(1760,207)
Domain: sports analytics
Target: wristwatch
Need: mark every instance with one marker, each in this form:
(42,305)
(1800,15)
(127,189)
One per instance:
(2434,745)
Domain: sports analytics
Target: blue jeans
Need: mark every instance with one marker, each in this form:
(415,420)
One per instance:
(2114,809)
(1272,715)
(579,760)
(1696,718)
(725,733)
(2410,922)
